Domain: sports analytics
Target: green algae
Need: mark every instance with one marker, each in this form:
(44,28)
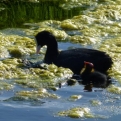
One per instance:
(111,12)
(4,52)
(113,48)
(100,25)
(72,24)
(48,79)
(33,95)
(59,34)
(84,40)
(80,112)
(77,112)
(16,45)
(93,27)
(69,4)
(114,89)
(95,102)
(75,97)
(5,86)
(33,77)
(40,93)
(12,68)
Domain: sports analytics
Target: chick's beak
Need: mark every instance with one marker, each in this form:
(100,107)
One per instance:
(38,49)
(83,69)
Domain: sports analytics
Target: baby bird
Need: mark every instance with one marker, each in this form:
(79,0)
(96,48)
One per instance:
(92,78)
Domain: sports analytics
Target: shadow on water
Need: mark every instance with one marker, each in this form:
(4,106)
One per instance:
(14,13)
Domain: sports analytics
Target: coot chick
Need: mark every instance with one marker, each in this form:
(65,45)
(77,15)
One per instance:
(92,77)
(73,58)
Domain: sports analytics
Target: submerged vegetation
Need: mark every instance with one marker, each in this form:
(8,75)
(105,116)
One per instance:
(15,13)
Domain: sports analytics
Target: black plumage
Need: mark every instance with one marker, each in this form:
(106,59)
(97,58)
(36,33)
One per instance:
(92,77)
(73,58)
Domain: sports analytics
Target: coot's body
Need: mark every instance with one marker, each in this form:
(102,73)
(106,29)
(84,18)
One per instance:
(73,58)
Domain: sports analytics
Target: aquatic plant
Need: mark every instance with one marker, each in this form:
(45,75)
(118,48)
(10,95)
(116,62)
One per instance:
(15,13)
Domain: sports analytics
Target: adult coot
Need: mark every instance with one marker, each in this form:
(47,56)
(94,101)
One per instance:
(92,77)
(73,58)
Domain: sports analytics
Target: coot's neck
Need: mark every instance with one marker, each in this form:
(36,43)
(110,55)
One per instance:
(51,52)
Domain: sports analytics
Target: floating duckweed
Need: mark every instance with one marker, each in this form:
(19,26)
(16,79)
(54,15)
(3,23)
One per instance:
(52,22)
(114,7)
(40,93)
(21,45)
(52,68)
(107,11)
(75,23)
(5,40)
(21,98)
(69,4)
(20,51)
(29,83)
(16,52)
(53,71)
(114,89)
(9,69)
(59,34)
(111,11)
(45,74)
(75,97)
(95,102)
(41,78)
(68,24)
(11,61)
(113,48)
(83,19)
(77,112)
(4,52)
(36,77)
(89,34)
(36,82)
(83,40)
(5,86)
(93,32)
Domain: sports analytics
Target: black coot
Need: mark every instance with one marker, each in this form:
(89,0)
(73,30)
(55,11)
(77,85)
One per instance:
(92,77)
(74,58)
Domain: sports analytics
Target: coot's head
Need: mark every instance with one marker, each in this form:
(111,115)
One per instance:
(88,67)
(44,38)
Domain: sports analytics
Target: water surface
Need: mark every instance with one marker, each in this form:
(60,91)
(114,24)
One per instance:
(96,29)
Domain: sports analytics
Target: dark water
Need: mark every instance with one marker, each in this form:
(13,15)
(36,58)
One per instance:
(16,14)
(26,111)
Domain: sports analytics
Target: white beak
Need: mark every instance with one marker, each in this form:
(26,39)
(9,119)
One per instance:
(38,49)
